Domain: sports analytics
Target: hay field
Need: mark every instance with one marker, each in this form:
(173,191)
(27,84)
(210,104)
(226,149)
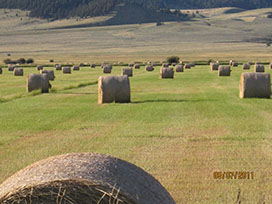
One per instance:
(179,130)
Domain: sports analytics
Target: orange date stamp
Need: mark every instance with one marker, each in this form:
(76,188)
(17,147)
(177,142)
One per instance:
(233,175)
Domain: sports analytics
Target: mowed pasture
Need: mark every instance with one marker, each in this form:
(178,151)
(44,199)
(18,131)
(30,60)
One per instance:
(179,130)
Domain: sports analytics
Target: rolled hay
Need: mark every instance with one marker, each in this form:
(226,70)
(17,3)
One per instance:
(36,82)
(246,66)
(255,85)
(39,67)
(58,67)
(167,73)
(250,63)
(137,66)
(234,64)
(113,89)
(66,70)
(149,68)
(187,66)
(50,73)
(18,72)
(258,68)
(83,178)
(76,68)
(154,64)
(107,69)
(179,68)
(224,71)
(270,65)
(127,71)
(131,65)
(165,65)
(11,67)
(93,66)
(1,70)
(214,66)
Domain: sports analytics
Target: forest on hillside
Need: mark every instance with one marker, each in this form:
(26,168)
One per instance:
(59,9)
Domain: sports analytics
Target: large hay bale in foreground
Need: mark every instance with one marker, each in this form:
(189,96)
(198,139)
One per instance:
(214,66)
(40,67)
(127,71)
(113,88)
(179,68)
(36,82)
(246,66)
(83,178)
(167,73)
(258,68)
(224,71)
(255,85)
(18,72)
(66,70)
(76,68)
(149,68)
(50,73)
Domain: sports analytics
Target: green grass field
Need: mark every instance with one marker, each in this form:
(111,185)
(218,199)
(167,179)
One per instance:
(179,130)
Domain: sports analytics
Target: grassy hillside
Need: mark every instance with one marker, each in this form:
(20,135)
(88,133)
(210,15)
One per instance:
(180,130)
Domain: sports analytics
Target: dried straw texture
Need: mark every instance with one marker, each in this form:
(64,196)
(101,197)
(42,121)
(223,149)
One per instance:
(179,68)
(39,67)
(83,178)
(66,70)
(36,82)
(165,65)
(187,66)
(76,68)
(255,85)
(113,88)
(259,68)
(1,70)
(137,66)
(93,66)
(214,66)
(167,73)
(127,71)
(50,73)
(18,72)
(224,71)
(58,67)
(246,66)
(149,68)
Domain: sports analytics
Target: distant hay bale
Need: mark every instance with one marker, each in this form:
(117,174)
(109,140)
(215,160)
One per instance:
(137,66)
(131,64)
(255,85)
(224,71)
(246,66)
(270,65)
(149,68)
(165,65)
(167,73)
(66,70)
(93,66)
(154,64)
(36,82)
(81,64)
(11,67)
(113,88)
(40,67)
(50,73)
(259,68)
(214,66)
(174,64)
(76,68)
(187,66)
(234,64)
(192,64)
(179,68)
(18,72)
(83,178)
(250,63)
(107,69)
(58,67)
(1,70)
(127,71)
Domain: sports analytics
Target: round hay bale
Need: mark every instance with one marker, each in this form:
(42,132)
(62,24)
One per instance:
(258,68)
(83,178)
(1,70)
(18,72)
(246,66)
(81,64)
(76,68)
(107,69)
(154,64)
(36,82)
(58,67)
(113,88)
(250,63)
(66,70)
(131,65)
(179,68)
(50,73)
(187,66)
(127,71)
(149,68)
(167,73)
(137,66)
(234,64)
(270,65)
(165,65)
(93,66)
(11,67)
(40,67)
(214,66)
(224,71)
(255,85)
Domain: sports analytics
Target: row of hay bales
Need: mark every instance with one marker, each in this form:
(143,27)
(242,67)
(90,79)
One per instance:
(83,178)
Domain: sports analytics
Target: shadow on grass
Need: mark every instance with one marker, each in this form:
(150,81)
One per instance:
(172,101)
